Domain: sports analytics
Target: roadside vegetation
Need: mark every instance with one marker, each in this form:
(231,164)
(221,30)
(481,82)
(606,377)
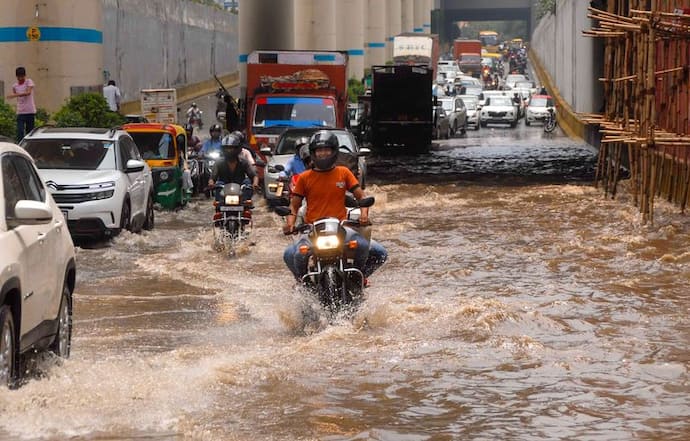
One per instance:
(85,110)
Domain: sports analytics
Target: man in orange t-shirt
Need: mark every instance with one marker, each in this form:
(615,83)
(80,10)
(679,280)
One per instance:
(324,188)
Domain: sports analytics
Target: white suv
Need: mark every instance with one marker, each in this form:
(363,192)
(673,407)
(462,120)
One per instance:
(97,178)
(37,266)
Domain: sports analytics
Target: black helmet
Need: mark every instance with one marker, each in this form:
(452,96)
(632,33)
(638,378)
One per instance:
(239,136)
(320,139)
(303,153)
(215,128)
(231,146)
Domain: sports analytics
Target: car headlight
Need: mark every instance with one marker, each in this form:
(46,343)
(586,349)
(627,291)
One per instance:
(327,242)
(102,195)
(232,199)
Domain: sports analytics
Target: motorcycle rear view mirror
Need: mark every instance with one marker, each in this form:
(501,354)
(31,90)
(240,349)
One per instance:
(351,202)
(279,167)
(367,201)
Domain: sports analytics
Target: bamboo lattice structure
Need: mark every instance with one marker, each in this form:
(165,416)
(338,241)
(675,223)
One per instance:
(645,119)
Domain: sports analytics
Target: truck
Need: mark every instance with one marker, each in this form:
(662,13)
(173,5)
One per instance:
(416,48)
(401,107)
(159,105)
(469,56)
(293,89)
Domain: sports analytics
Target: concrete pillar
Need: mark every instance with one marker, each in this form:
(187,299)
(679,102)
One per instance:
(427,16)
(324,25)
(264,25)
(407,7)
(377,11)
(304,30)
(60,45)
(351,35)
(420,15)
(393,25)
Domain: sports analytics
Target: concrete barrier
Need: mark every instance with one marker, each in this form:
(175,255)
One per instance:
(568,119)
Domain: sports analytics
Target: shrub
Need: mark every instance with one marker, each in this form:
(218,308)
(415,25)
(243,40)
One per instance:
(355,88)
(8,120)
(87,110)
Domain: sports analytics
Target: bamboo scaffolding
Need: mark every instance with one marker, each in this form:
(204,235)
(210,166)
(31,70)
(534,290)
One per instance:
(646,111)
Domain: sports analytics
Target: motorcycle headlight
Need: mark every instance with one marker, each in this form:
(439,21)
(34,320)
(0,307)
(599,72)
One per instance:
(214,155)
(327,242)
(232,199)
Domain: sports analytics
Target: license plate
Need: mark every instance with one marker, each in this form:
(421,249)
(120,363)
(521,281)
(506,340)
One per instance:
(231,208)
(64,213)
(279,189)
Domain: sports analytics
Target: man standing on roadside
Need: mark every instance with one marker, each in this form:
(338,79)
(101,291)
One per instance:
(113,96)
(23,90)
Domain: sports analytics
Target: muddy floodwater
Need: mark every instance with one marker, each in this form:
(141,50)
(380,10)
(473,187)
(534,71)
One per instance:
(518,303)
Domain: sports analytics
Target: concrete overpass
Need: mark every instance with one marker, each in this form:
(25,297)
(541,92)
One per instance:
(451,11)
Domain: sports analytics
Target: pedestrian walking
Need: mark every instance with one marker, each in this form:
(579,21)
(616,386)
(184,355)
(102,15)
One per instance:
(23,90)
(113,96)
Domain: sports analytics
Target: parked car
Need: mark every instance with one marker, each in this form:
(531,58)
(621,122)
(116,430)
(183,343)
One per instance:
(473,108)
(537,108)
(457,114)
(499,110)
(441,123)
(96,176)
(37,266)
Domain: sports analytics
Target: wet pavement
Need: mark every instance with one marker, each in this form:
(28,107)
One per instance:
(518,303)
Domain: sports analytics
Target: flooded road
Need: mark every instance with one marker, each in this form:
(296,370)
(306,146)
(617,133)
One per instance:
(517,303)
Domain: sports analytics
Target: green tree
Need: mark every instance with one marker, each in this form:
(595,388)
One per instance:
(87,110)
(355,88)
(8,120)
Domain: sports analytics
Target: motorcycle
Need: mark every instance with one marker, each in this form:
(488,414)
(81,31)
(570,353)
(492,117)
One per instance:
(232,220)
(331,274)
(194,118)
(206,163)
(550,121)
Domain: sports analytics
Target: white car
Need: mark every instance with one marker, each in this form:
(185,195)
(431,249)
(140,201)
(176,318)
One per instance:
(96,176)
(457,114)
(473,110)
(499,110)
(538,109)
(37,266)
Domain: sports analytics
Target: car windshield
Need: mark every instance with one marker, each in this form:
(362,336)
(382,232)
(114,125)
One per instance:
(154,145)
(470,104)
(294,112)
(286,143)
(77,154)
(541,102)
(345,140)
(499,101)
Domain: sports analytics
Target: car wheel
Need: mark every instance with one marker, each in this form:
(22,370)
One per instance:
(63,339)
(150,214)
(124,217)
(527,123)
(455,128)
(464,128)
(8,348)
(483,124)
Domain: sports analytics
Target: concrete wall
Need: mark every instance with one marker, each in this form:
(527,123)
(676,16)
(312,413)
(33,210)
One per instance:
(166,43)
(569,62)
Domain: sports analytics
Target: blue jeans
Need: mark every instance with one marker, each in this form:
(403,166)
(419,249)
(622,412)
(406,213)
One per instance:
(366,262)
(25,124)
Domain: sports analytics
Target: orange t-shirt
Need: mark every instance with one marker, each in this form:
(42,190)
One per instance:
(325,192)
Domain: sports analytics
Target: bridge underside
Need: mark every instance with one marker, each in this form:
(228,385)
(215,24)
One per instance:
(448,18)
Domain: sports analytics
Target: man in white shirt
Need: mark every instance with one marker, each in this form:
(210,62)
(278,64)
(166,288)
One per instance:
(112,95)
